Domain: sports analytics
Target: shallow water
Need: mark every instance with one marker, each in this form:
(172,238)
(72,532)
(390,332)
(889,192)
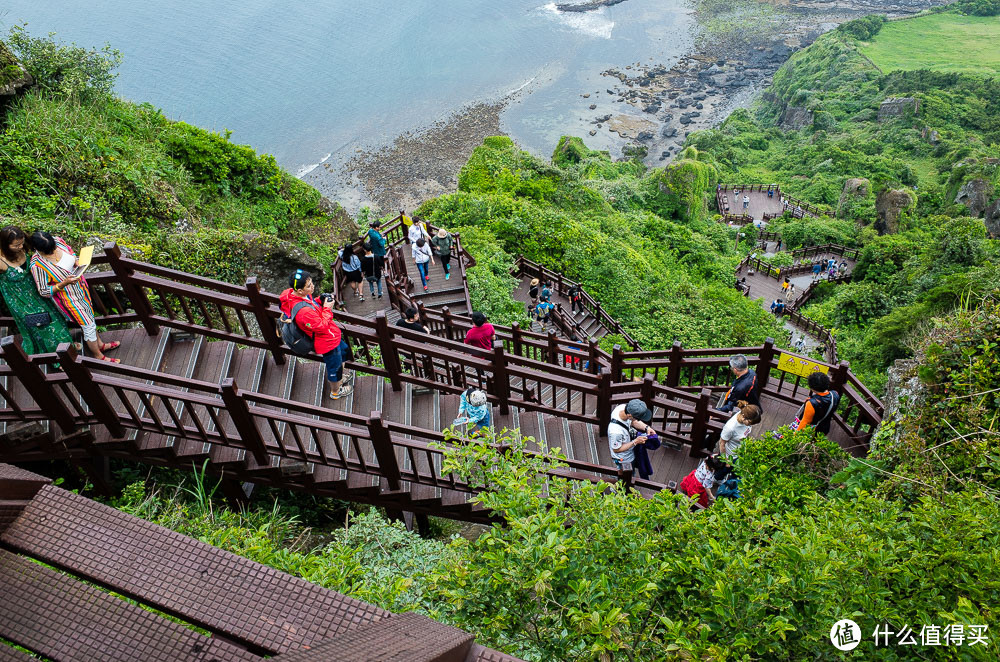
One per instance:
(308,81)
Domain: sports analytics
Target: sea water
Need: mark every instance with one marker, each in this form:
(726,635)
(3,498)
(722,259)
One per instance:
(312,80)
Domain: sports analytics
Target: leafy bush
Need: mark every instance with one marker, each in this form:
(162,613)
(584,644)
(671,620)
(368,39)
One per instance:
(67,70)
(863,28)
(978,7)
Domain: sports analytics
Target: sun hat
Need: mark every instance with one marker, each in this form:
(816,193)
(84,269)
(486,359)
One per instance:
(442,233)
(477,398)
(637,409)
(534,281)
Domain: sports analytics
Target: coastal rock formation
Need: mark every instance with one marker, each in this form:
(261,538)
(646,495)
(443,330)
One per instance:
(587,6)
(271,263)
(795,118)
(974,194)
(890,206)
(856,188)
(991,218)
(14,78)
(894,107)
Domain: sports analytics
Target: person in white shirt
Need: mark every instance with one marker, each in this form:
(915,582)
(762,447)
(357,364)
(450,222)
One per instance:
(416,231)
(624,419)
(422,254)
(737,428)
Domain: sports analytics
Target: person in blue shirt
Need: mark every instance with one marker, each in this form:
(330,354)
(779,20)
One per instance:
(543,310)
(473,410)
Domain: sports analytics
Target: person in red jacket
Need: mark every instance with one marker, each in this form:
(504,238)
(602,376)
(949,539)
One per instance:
(316,321)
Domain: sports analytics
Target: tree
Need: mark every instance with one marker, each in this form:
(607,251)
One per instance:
(67,70)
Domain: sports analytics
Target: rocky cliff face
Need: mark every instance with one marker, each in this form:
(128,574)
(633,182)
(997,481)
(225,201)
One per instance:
(14,78)
(891,205)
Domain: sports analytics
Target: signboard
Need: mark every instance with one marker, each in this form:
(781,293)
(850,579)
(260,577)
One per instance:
(800,366)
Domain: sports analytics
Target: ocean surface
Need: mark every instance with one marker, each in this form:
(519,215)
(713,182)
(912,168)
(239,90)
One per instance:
(311,81)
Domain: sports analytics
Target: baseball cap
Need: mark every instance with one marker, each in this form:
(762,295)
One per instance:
(638,410)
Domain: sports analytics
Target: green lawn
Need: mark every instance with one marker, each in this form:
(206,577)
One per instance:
(941,42)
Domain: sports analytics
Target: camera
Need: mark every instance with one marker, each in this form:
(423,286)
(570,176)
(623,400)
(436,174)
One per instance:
(326,296)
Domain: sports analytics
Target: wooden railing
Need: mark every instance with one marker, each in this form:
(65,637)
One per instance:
(524,370)
(806,252)
(800,208)
(524,267)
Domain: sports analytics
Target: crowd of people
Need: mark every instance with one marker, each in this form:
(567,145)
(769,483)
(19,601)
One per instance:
(43,286)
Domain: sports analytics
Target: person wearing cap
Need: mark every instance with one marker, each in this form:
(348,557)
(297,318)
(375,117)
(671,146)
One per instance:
(316,321)
(441,243)
(629,427)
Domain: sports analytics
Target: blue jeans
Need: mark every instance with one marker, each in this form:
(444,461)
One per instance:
(334,360)
(485,423)
(422,268)
(371,285)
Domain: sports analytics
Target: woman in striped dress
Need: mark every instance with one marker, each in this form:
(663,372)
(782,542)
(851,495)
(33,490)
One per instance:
(52,268)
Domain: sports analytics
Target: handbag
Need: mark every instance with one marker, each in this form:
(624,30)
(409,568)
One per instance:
(37,320)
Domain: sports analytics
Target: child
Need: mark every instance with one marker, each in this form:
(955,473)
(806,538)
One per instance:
(473,410)
(699,483)
(371,267)
(543,310)
(785,285)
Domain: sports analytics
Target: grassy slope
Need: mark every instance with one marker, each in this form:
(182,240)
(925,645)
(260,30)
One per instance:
(939,42)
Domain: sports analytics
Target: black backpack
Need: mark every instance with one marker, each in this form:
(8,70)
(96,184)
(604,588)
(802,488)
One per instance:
(293,336)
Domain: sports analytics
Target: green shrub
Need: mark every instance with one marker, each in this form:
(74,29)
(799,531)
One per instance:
(863,28)
(67,70)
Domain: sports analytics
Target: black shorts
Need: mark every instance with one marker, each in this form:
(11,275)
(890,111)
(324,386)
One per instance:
(353,276)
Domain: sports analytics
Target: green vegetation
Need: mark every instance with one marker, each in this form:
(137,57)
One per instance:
(83,164)
(946,41)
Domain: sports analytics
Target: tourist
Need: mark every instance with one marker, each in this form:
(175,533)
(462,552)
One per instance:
(770,192)
(473,410)
(533,292)
(817,411)
(422,254)
(417,230)
(546,292)
(832,273)
(700,482)
(737,428)
(40,324)
(777,247)
(746,202)
(627,429)
(377,242)
(482,333)
(817,269)
(441,243)
(778,307)
(784,286)
(576,299)
(371,267)
(315,319)
(843,268)
(800,344)
(407,224)
(791,292)
(744,387)
(542,311)
(411,320)
(52,267)
(350,264)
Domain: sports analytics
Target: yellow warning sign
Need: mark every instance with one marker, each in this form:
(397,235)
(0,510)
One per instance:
(800,366)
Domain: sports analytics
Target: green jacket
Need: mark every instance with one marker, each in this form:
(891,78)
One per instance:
(442,245)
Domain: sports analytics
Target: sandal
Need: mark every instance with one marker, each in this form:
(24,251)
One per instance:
(111,360)
(108,346)
(344,390)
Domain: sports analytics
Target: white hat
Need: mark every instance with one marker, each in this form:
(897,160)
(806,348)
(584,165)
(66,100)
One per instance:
(477,398)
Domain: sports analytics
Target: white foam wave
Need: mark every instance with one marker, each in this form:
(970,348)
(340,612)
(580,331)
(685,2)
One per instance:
(522,86)
(593,23)
(305,170)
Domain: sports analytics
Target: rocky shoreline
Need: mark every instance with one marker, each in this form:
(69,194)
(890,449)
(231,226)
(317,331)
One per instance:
(660,107)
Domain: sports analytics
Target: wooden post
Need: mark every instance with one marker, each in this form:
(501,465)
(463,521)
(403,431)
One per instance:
(421,313)
(626,475)
(838,376)
(501,380)
(384,451)
(265,322)
(245,425)
(699,426)
(592,348)
(390,358)
(674,369)
(515,331)
(553,348)
(559,284)
(646,391)
(603,402)
(764,366)
(91,393)
(33,379)
(448,323)
(597,312)
(135,293)
(617,361)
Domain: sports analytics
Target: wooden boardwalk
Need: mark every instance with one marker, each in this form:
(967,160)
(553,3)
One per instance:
(760,203)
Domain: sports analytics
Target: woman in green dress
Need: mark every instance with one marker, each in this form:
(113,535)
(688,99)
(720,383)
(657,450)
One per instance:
(21,296)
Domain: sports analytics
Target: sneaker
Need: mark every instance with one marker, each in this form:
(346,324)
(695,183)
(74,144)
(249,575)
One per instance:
(361,298)
(344,390)
(380,296)
(447,275)
(425,288)
(347,376)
